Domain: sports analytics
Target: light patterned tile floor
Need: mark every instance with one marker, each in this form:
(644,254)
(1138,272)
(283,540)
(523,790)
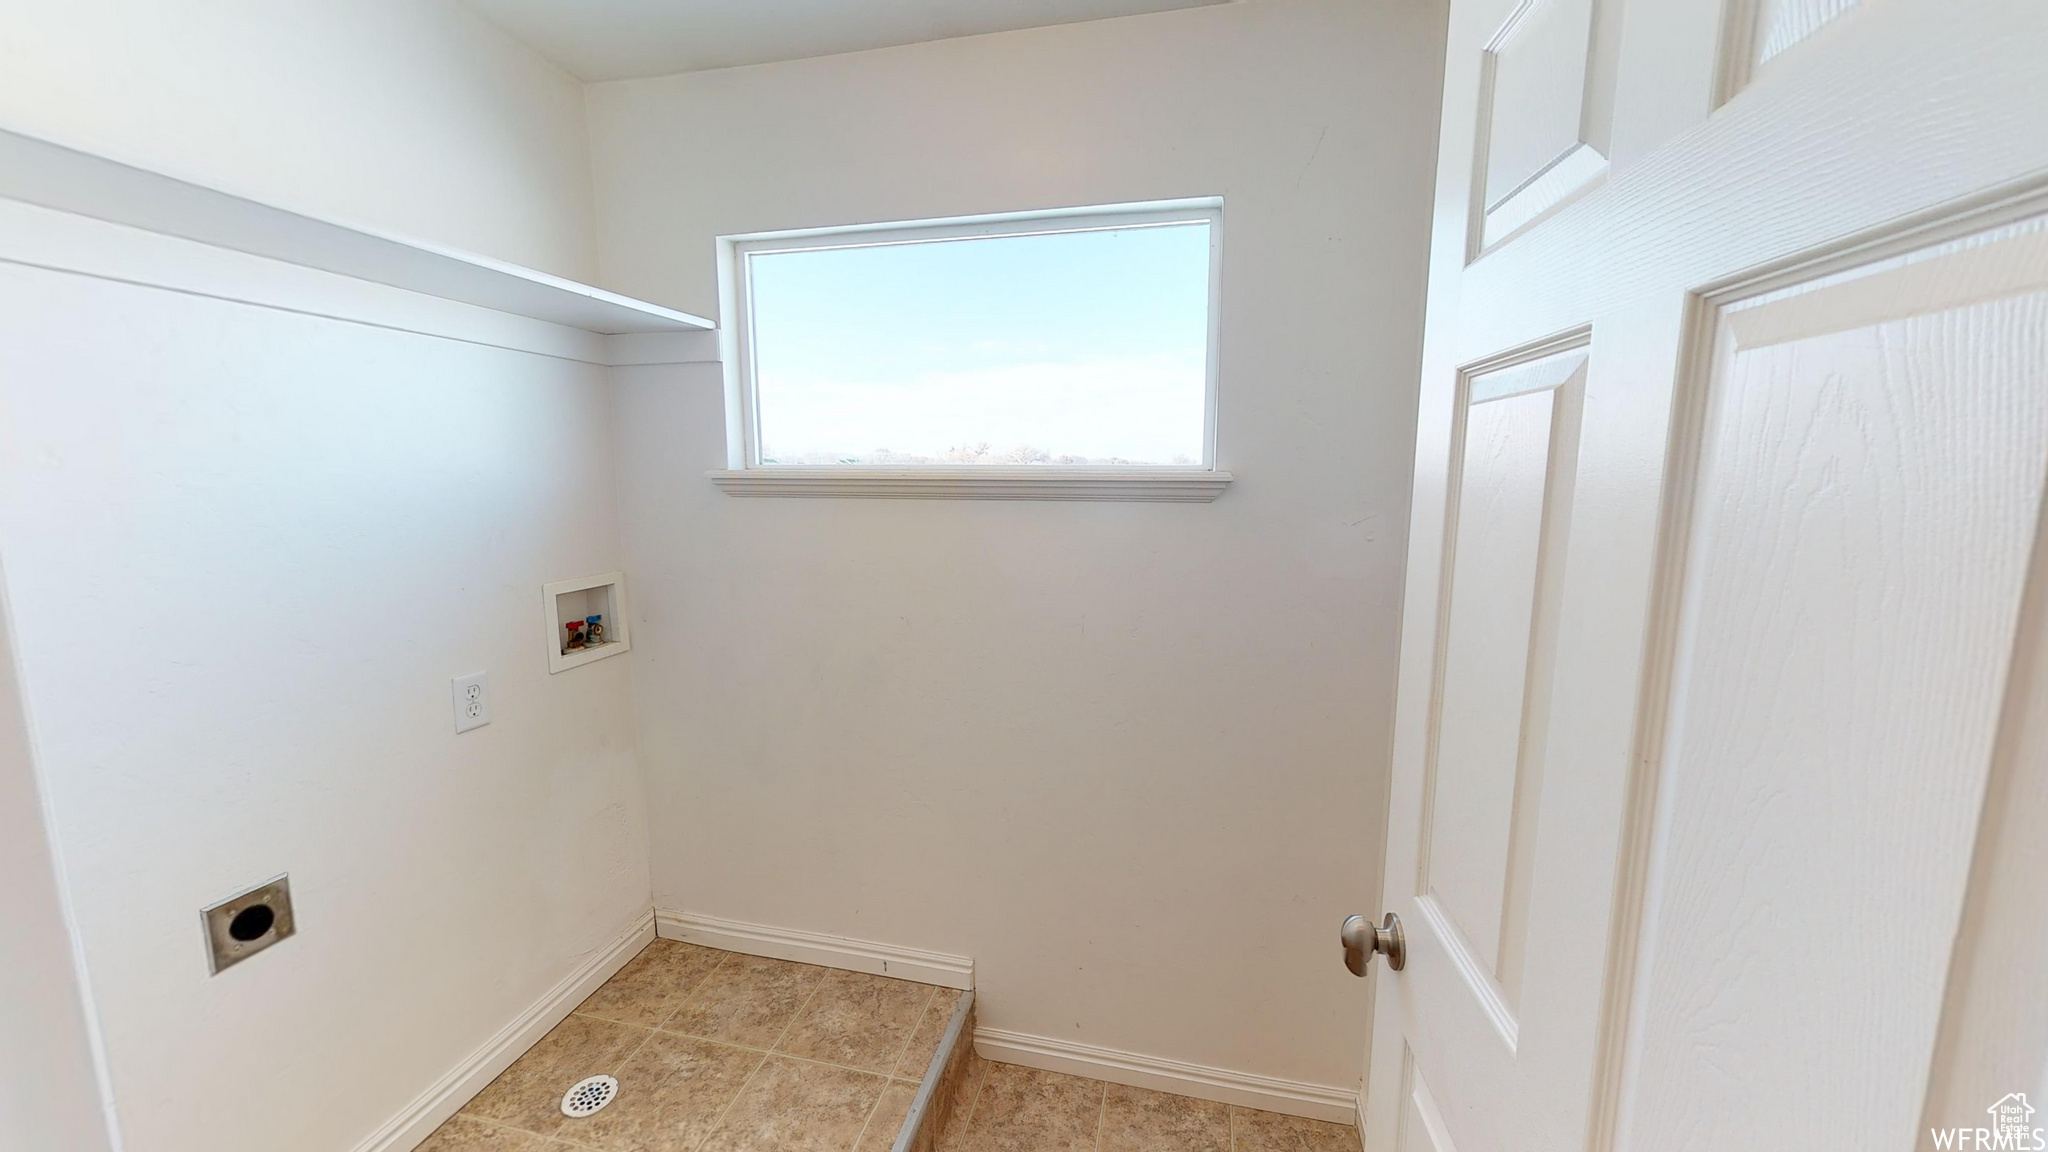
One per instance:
(719,1052)
(1007,1108)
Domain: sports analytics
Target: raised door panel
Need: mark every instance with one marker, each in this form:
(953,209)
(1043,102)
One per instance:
(1782,23)
(1534,108)
(1872,456)
(1760,30)
(1485,779)
(1422,1124)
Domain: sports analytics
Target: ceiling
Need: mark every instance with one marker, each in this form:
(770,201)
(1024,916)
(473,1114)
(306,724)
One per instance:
(616,39)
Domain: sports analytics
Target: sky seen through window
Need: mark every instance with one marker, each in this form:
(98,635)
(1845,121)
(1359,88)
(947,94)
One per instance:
(1087,347)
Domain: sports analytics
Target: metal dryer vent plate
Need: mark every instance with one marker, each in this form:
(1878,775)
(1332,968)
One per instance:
(248,922)
(588,1095)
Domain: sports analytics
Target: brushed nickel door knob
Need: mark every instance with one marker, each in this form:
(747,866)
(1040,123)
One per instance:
(1361,940)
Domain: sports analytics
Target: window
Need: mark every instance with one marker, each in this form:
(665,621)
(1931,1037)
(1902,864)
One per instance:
(1059,354)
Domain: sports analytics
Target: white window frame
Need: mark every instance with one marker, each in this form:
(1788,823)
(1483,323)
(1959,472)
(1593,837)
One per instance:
(745,475)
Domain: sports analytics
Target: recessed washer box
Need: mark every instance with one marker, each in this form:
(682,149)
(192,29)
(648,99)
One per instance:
(568,600)
(248,922)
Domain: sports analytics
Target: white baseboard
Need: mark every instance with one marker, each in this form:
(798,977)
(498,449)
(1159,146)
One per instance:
(1292,1097)
(816,948)
(1358,1116)
(418,1120)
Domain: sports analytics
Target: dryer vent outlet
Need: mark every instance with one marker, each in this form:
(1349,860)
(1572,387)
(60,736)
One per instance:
(248,922)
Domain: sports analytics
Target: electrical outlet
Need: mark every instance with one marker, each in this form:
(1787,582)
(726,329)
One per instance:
(472,701)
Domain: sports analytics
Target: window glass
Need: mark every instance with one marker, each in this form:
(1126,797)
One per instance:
(1088,346)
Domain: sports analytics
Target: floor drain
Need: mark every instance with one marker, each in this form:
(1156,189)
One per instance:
(587,1096)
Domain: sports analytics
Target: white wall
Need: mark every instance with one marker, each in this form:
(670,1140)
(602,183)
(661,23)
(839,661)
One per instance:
(49,1095)
(1129,757)
(245,551)
(411,115)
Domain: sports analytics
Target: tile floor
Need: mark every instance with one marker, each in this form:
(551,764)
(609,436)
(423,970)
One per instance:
(1007,1108)
(719,1052)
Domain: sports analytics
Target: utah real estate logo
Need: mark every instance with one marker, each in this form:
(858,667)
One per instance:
(2012,1127)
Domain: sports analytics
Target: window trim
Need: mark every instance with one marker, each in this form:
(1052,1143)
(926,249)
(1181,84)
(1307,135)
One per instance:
(745,475)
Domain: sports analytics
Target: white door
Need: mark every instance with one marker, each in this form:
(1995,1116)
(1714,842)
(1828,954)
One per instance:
(1733,434)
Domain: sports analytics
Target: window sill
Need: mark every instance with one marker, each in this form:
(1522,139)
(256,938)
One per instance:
(1170,485)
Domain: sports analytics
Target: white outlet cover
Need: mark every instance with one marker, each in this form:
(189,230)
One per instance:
(472,700)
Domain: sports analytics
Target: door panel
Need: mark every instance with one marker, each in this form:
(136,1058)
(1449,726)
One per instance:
(1780,24)
(1499,539)
(1705,650)
(1422,1126)
(1485,788)
(1535,149)
(1539,90)
(1868,487)
(1757,31)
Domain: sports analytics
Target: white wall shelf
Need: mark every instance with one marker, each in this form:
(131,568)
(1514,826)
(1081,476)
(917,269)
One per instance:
(51,175)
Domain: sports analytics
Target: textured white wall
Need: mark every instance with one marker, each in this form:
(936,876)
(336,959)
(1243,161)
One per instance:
(411,115)
(246,550)
(1130,757)
(49,1096)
